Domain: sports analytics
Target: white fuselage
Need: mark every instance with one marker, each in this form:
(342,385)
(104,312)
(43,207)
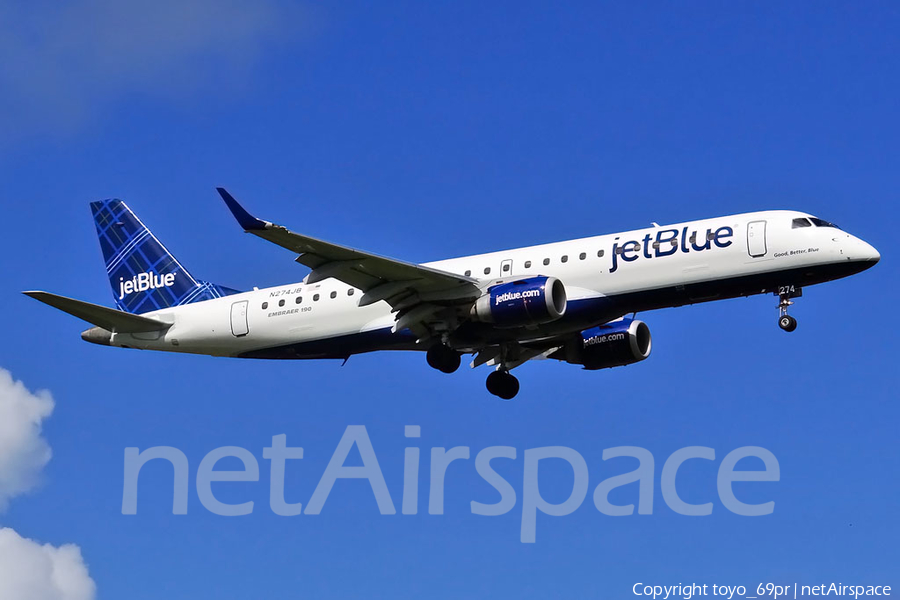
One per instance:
(607,276)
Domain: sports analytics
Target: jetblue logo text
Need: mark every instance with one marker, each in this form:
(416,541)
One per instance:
(498,466)
(602,339)
(667,242)
(508,296)
(143,282)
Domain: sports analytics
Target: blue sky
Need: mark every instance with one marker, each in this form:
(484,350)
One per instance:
(424,131)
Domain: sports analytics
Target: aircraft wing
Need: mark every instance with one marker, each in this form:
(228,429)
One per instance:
(417,293)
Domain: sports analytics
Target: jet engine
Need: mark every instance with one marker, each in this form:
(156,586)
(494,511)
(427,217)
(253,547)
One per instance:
(523,302)
(614,344)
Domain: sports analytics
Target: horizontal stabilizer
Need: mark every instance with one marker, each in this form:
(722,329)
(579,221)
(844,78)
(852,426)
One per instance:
(110,319)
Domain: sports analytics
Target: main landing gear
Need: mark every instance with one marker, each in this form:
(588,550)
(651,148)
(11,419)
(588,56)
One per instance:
(443,358)
(499,383)
(785,293)
(503,384)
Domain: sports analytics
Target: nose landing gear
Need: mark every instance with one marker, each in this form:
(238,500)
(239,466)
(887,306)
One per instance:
(787,322)
(503,384)
(785,293)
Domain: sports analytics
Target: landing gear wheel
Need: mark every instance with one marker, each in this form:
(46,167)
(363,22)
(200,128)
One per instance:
(443,358)
(503,385)
(787,322)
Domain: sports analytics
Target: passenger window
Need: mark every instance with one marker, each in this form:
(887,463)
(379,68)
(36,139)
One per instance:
(527,264)
(600,253)
(582,256)
(506,268)
(334,294)
(565,258)
(265,305)
(281,303)
(298,300)
(710,236)
(546,261)
(315,297)
(350,292)
(798,223)
(468,272)
(487,270)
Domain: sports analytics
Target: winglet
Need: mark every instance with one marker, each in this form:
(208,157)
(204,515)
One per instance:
(245,219)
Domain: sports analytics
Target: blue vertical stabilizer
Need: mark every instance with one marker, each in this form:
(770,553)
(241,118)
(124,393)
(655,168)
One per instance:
(144,275)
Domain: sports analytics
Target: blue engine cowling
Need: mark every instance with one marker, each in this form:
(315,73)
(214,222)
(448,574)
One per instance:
(611,345)
(523,302)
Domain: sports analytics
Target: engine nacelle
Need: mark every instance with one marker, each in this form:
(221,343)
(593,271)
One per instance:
(523,302)
(612,345)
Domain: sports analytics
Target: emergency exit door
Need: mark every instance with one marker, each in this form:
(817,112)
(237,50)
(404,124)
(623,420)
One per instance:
(239,325)
(756,238)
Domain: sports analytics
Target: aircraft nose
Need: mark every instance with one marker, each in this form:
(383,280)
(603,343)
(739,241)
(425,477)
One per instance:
(869,253)
(864,252)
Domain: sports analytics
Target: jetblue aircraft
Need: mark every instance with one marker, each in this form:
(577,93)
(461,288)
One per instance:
(566,301)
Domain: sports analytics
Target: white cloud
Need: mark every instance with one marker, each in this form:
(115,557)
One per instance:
(29,570)
(23,451)
(63,62)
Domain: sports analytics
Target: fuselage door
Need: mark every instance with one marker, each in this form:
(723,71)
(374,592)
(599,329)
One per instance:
(756,238)
(239,325)
(506,268)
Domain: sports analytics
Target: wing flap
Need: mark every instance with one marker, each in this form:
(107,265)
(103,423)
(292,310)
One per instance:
(110,319)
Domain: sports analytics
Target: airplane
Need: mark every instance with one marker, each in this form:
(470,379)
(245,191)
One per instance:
(573,301)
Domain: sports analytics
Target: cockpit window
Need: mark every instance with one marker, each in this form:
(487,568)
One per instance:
(798,223)
(822,223)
